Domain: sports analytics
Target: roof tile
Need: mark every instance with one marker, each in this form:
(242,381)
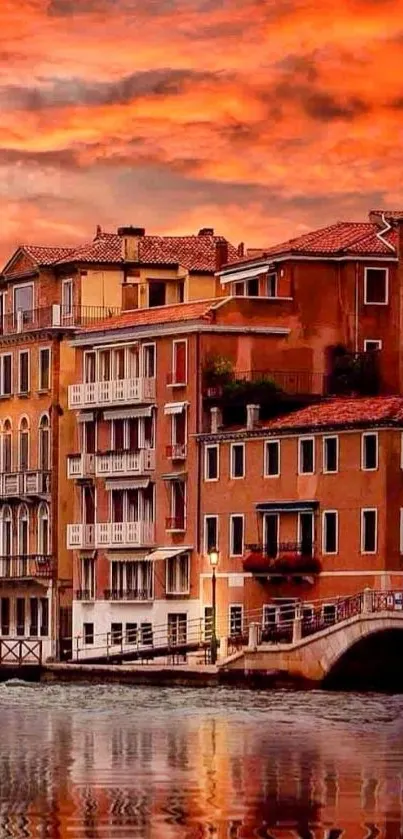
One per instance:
(340,412)
(178,312)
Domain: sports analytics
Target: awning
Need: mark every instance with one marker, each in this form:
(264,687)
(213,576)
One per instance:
(174,476)
(174,407)
(166,553)
(247,274)
(85,416)
(127,557)
(129,413)
(286,506)
(127,483)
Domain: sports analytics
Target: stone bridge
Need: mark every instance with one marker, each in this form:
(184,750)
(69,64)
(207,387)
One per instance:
(315,650)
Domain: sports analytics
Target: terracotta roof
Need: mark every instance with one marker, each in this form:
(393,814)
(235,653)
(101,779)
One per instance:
(45,255)
(196,253)
(343,411)
(177,313)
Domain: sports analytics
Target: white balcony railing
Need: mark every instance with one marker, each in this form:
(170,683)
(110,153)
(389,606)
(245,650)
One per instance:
(81,536)
(12,483)
(124,534)
(36,482)
(80,465)
(121,534)
(116,464)
(117,392)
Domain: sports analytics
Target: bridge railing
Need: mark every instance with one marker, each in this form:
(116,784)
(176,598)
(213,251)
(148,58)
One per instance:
(19,652)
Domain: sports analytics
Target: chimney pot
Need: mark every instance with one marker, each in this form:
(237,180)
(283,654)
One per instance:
(241,249)
(131,231)
(252,416)
(206,231)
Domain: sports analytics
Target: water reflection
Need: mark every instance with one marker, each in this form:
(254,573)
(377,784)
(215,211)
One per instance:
(224,765)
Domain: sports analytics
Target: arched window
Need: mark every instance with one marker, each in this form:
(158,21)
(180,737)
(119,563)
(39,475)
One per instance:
(7,447)
(44,443)
(43,530)
(6,546)
(23,445)
(23,530)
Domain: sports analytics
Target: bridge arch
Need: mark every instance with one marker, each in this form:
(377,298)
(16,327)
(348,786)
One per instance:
(367,653)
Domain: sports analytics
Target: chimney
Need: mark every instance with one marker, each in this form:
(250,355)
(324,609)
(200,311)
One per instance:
(252,416)
(221,254)
(241,249)
(206,231)
(98,231)
(130,238)
(215,420)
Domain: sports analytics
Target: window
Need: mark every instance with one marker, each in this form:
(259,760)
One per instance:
(369,531)
(177,520)
(272,459)
(23,531)
(269,616)
(237,460)
(43,530)
(7,454)
(146,633)
(20,615)
(178,435)
(44,444)
(330,532)
(131,633)
(24,300)
(44,612)
(235,620)
(208,622)
(3,305)
(156,293)
(178,574)
(236,535)
(270,534)
(179,362)
(5,615)
(23,371)
(23,445)
(39,617)
(116,633)
(252,288)
(5,375)
(33,617)
(67,298)
(149,361)
(369,451)
(88,577)
(7,533)
(88,633)
(89,367)
(329,613)
(372,345)
(44,368)
(132,580)
(211,463)
(376,282)
(306,456)
(272,285)
(306,533)
(210,533)
(330,454)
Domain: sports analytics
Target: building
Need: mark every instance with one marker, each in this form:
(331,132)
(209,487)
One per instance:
(46,294)
(305,507)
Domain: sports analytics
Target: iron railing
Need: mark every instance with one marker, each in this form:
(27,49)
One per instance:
(19,566)
(84,594)
(128,594)
(56,316)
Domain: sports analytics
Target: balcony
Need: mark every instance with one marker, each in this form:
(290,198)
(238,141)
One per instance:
(137,594)
(26,566)
(116,392)
(138,462)
(56,316)
(84,594)
(80,466)
(81,536)
(292,558)
(177,451)
(28,483)
(175,524)
(124,534)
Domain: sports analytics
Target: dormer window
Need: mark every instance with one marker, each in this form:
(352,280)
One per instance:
(376,286)
(156,293)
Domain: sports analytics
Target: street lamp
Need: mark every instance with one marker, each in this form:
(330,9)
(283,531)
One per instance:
(213,557)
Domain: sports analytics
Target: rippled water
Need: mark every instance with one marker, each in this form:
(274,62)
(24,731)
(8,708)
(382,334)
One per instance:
(109,761)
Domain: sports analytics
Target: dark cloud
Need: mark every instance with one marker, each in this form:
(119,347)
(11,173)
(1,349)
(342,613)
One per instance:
(59,93)
(66,158)
(324,107)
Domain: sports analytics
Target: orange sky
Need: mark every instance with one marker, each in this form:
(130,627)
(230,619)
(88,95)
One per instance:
(262,118)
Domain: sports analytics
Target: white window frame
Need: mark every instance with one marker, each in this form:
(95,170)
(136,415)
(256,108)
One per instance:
(67,283)
(372,341)
(210,516)
(28,430)
(206,448)
(21,353)
(235,606)
(324,551)
(232,476)
(142,367)
(2,357)
(176,590)
(41,351)
(300,441)
(324,469)
(369,510)
(174,342)
(172,504)
(363,436)
(231,535)
(23,285)
(266,444)
(386,272)
(269,275)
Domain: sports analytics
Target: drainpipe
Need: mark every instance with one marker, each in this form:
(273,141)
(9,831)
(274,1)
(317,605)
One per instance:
(198,444)
(54,511)
(356,308)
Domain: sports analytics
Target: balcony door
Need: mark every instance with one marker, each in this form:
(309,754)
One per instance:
(88,502)
(270,534)
(89,367)
(305,533)
(44,441)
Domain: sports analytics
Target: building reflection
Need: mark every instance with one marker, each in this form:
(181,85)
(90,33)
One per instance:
(212,775)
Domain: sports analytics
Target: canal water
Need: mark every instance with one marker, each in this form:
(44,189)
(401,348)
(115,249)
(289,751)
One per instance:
(109,761)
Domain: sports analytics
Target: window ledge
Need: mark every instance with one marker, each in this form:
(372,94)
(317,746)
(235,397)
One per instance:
(23,394)
(42,390)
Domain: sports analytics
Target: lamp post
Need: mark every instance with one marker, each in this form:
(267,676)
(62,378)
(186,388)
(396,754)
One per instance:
(213,557)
